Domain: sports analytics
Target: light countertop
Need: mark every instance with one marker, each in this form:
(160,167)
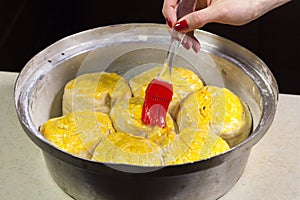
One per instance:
(272,171)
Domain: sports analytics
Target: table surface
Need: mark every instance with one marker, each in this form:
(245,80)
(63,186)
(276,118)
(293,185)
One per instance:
(272,171)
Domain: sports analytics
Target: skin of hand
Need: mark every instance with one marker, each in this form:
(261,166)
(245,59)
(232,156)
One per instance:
(182,9)
(232,12)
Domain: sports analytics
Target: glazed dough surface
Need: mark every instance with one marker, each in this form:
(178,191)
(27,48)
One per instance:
(217,109)
(78,132)
(102,120)
(184,81)
(95,92)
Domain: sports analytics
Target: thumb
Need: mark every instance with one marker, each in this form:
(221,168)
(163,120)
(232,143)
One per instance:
(193,20)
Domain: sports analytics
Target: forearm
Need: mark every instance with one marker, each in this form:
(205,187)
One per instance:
(264,6)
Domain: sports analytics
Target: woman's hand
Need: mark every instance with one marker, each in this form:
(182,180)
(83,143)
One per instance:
(233,12)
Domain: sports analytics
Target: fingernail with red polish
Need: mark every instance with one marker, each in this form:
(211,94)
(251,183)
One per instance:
(169,22)
(181,25)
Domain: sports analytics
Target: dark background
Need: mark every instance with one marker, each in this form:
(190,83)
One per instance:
(29,26)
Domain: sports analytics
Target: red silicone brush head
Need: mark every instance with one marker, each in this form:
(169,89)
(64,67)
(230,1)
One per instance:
(158,97)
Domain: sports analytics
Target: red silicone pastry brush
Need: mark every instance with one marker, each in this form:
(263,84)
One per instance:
(158,97)
(160,90)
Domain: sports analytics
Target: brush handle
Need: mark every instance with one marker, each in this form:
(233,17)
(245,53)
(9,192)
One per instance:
(184,7)
(165,73)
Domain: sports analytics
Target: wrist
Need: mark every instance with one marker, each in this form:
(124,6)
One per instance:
(264,6)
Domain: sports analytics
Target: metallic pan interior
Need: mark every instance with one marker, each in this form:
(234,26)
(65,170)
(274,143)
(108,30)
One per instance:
(38,93)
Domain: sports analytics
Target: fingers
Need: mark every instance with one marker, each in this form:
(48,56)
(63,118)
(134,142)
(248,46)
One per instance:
(185,7)
(195,42)
(190,41)
(169,11)
(170,7)
(193,21)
